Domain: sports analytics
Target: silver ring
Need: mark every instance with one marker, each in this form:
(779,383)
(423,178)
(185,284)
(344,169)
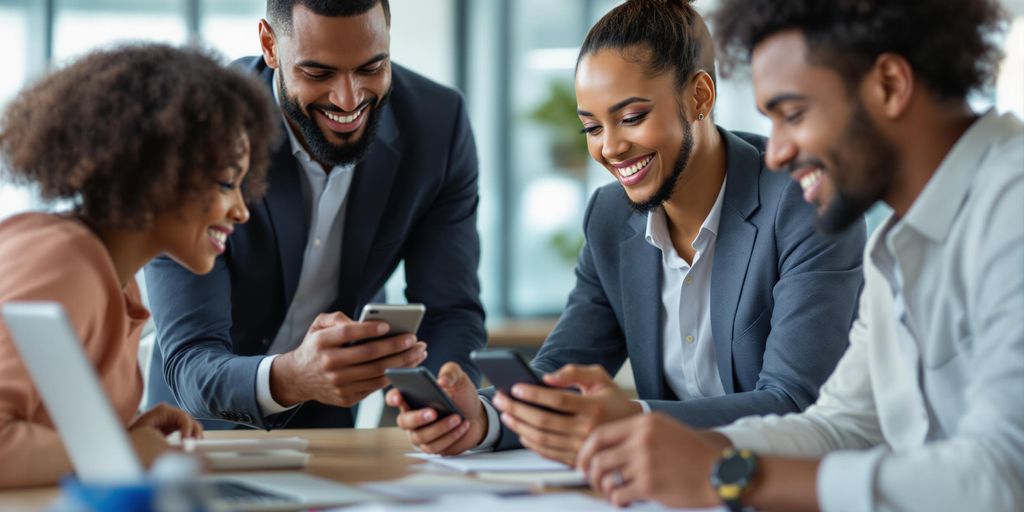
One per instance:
(617,478)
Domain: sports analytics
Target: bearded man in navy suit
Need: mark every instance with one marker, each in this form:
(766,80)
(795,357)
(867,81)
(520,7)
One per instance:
(378,167)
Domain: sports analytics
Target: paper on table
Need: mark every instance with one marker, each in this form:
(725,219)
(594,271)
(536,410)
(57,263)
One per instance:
(269,459)
(244,445)
(511,460)
(539,503)
(434,485)
(537,479)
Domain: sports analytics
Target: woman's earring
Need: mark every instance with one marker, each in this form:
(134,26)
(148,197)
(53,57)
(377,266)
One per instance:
(700,116)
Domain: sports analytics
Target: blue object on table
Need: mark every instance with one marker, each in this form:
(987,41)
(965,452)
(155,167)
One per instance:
(125,497)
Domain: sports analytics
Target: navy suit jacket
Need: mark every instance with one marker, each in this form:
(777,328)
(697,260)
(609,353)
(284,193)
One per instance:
(413,198)
(783,297)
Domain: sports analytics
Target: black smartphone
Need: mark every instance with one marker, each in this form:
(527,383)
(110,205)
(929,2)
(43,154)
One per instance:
(505,368)
(420,390)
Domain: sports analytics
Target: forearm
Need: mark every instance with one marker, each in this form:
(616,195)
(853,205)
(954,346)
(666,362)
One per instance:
(211,383)
(725,409)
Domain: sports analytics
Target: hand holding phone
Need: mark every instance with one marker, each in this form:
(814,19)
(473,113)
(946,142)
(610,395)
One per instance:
(420,390)
(506,368)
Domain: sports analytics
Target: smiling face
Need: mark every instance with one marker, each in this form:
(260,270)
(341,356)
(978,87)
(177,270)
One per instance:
(821,132)
(334,75)
(196,233)
(633,124)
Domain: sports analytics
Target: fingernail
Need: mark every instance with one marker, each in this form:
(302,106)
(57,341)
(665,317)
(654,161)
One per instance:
(408,341)
(499,400)
(428,415)
(517,391)
(454,420)
(382,328)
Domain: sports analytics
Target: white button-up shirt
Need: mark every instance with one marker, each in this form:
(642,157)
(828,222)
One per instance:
(687,345)
(925,409)
(325,196)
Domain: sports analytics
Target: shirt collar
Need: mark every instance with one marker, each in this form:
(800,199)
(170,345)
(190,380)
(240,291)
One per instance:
(933,212)
(657,225)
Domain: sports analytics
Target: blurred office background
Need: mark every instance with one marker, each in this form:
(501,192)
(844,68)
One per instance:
(513,60)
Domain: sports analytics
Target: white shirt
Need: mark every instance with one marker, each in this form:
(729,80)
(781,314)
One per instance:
(687,345)
(924,411)
(325,196)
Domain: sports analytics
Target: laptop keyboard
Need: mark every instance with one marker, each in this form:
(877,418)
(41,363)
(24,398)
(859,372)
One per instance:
(233,491)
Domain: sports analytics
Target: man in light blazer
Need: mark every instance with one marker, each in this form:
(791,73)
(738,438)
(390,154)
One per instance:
(700,265)
(378,166)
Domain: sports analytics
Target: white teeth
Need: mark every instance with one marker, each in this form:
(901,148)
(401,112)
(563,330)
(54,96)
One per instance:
(217,235)
(343,119)
(635,168)
(810,179)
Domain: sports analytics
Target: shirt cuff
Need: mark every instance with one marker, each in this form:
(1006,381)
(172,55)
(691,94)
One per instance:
(493,426)
(264,398)
(846,480)
(644,405)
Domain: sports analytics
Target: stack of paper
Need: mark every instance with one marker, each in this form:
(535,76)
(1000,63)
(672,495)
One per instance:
(273,453)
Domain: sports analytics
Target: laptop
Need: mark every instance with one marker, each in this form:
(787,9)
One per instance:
(98,444)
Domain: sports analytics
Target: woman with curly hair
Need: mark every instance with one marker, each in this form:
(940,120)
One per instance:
(157,149)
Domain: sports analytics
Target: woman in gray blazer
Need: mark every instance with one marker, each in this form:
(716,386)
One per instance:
(700,265)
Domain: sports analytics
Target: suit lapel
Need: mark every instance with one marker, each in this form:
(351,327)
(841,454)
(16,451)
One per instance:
(367,199)
(640,265)
(733,247)
(287,215)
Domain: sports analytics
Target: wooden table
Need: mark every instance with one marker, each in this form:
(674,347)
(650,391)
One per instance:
(344,455)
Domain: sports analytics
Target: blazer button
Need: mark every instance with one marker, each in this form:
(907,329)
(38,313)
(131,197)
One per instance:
(265,342)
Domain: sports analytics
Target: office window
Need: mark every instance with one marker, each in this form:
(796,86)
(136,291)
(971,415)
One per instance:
(231,26)
(83,25)
(14,37)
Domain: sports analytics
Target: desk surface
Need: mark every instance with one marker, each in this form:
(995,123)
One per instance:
(345,455)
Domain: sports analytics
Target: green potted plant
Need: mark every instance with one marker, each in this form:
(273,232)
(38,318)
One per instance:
(557,113)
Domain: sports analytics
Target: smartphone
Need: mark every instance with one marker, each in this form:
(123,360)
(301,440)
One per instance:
(401,318)
(505,368)
(420,390)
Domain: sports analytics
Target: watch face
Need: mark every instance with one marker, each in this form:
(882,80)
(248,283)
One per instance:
(733,469)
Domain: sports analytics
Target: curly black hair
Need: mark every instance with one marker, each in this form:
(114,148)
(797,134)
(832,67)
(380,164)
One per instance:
(947,43)
(129,132)
(671,34)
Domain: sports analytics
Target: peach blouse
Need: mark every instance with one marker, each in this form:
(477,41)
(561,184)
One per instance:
(56,258)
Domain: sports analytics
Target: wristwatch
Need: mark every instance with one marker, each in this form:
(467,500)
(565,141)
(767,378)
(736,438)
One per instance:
(732,475)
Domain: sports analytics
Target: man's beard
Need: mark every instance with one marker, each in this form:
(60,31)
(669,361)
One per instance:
(872,162)
(668,186)
(349,152)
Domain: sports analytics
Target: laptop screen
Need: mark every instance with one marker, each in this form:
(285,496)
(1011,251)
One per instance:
(92,433)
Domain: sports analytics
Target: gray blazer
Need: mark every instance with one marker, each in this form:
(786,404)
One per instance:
(783,297)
